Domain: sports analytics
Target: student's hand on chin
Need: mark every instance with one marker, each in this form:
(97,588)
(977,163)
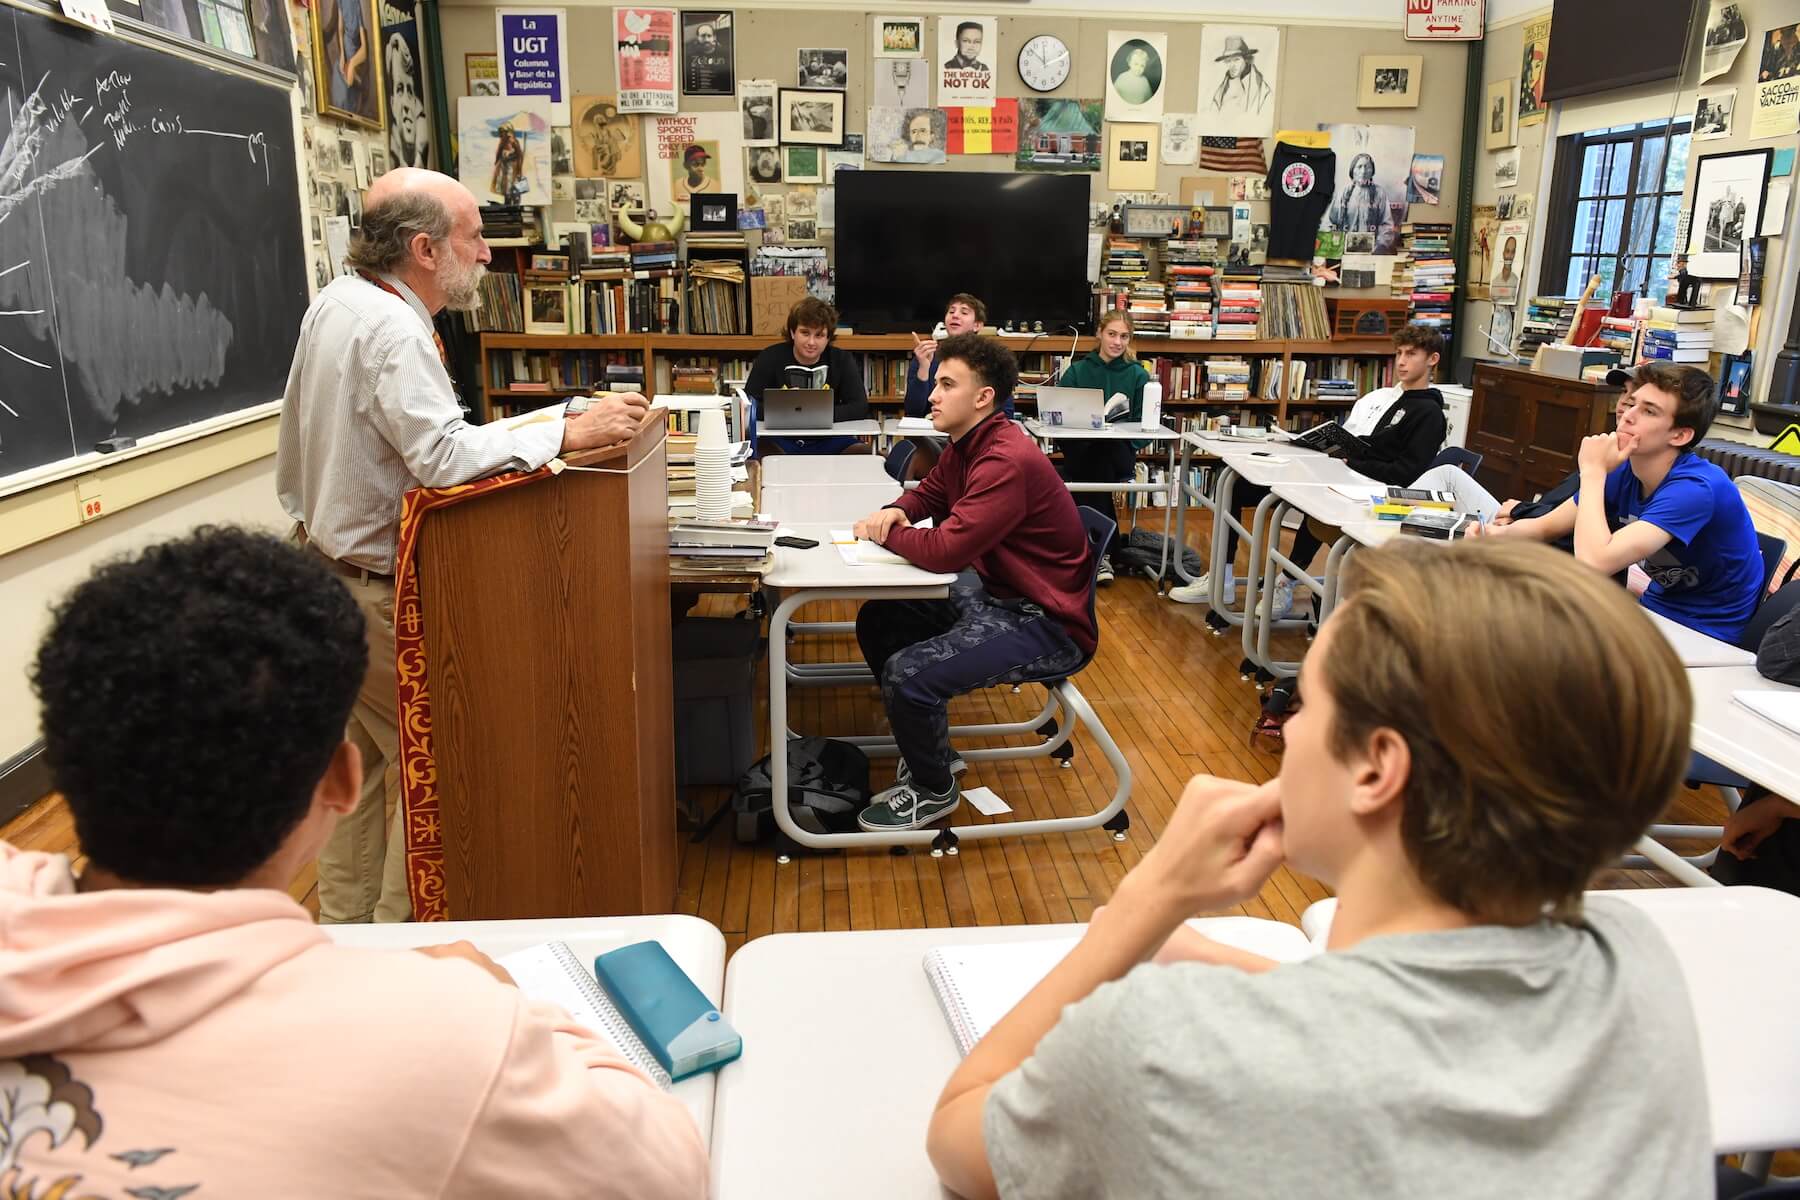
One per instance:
(1603,451)
(1222,843)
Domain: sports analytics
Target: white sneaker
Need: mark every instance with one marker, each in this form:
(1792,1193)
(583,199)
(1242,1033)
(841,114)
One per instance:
(1199,591)
(1283,600)
(1103,577)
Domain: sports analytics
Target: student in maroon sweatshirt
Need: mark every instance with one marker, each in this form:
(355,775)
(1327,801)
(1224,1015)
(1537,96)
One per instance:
(1004,522)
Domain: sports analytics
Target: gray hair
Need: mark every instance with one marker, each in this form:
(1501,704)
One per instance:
(381,242)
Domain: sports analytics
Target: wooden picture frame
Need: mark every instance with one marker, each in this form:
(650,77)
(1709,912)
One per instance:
(1389,80)
(1153,220)
(712,212)
(550,264)
(803,164)
(365,101)
(800,111)
(544,304)
(1500,115)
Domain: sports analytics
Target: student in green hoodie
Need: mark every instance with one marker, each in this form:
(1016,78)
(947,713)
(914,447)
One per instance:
(1115,370)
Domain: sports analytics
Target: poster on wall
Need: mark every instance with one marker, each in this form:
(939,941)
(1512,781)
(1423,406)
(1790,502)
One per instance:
(503,148)
(1726,33)
(1131,156)
(899,37)
(349,75)
(1238,69)
(1712,114)
(968,76)
(1777,110)
(907,135)
(1180,141)
(1532,61)
(756,101)
(901,83)
(644,53)
(534,56)
(1509,261)
(1501,132)
(607,142)
(409,129)
(693,152)
(1484,220)
(1368,203)
(990,130)
(706,54)
(1426,184)
(1729,193)
(1059,135)
(1135,63)
(481,74)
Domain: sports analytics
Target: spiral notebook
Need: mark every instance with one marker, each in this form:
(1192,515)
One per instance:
(551,972)
(978,985)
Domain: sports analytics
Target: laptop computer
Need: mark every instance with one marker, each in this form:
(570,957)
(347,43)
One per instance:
(797,408)
(1076,408)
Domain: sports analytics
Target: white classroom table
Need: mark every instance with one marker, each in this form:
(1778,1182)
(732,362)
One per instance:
(1696,649)
(1121,432)
(843,1036)
(828,470)
(1738,739)
(1745,990)
(842,504)
(696,946)
(869,427)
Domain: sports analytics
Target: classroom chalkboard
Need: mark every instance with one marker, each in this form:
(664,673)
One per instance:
(152,270)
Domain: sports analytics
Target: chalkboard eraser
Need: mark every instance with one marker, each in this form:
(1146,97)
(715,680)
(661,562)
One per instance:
(115,443)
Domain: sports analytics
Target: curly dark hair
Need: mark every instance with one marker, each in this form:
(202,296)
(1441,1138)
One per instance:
(193,695)
(985,356)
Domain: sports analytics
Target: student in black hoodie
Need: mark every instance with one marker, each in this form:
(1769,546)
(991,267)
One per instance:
(1403,425)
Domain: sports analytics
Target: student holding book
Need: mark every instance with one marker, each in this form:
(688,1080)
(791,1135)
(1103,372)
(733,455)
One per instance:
(1402,425)
(174,1021)
(1018,609)
(811,323)
(1646,498)
(1476,1026)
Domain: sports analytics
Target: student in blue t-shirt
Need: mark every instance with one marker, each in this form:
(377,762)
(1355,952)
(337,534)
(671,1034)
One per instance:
(1645,499)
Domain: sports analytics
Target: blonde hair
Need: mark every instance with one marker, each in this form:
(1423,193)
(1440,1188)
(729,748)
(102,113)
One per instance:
(1124,318)
(1546,718)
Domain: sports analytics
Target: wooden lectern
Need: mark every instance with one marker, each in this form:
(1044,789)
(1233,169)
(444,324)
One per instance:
(546,611)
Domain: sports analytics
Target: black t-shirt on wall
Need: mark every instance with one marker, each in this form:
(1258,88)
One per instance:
(1300,183)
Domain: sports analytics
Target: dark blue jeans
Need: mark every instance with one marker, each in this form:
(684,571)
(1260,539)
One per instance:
(923,652)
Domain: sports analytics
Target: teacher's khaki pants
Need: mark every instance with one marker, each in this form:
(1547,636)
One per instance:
(362,869)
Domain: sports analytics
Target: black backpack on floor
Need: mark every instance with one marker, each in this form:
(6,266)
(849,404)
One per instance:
(1140,551)
(828,784)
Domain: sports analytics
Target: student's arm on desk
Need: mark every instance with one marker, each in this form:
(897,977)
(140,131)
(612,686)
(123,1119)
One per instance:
(565,1115)
(1222,843)
(1559,522)
(985,514)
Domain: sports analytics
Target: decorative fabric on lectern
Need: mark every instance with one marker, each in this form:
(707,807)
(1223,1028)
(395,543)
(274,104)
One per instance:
(419,803)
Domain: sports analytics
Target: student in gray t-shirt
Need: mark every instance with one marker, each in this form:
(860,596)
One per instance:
(1474,1029)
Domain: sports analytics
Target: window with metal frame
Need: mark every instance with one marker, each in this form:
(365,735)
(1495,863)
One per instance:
(1615,199)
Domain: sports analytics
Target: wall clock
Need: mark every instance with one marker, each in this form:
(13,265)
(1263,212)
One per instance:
(1044,62)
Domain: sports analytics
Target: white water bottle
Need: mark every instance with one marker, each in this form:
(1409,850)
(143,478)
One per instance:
(1152,410)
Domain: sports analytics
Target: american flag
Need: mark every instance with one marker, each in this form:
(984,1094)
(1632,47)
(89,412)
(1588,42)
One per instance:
(1233,156)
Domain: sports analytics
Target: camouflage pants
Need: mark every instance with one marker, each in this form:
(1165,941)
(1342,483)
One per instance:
(923,652)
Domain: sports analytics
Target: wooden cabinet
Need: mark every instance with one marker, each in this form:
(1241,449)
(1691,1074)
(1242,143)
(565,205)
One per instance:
(1528,427)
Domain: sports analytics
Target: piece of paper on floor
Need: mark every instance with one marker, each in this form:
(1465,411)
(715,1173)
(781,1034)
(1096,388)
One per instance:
(986,802)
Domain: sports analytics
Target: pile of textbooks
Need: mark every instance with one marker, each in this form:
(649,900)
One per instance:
(1676,334)
(1227,380)
(1240,303)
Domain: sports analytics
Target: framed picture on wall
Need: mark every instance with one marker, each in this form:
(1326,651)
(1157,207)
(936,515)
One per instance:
(1729,192)
(811,117)
(1389,80)
(547,308)
(712,212)
(345,32)
(803,164)
(1500,130)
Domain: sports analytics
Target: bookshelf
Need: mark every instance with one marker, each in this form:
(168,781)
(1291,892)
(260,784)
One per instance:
(657,354)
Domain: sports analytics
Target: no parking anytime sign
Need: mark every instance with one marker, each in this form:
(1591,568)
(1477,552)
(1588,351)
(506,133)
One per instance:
(1445,20)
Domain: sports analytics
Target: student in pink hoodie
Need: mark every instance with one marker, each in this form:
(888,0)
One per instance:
(172,1023)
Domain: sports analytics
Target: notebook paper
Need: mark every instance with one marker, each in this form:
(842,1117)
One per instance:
(978,985)
(1780,707)
(552,973)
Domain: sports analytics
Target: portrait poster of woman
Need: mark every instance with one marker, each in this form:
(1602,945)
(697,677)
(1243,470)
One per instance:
(346,41)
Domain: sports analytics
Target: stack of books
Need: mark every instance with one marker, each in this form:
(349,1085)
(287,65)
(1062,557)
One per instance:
(1240,303)
(1619,334)
(1148,304)
(1190,282)
(1547,319)
(506,221)
(1398,503)
(1227,380)
(1336,389)
(1125,262)
(1427,273)
(1679,335)
(735,546)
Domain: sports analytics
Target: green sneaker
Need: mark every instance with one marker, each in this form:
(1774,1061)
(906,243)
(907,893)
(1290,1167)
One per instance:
(908,808)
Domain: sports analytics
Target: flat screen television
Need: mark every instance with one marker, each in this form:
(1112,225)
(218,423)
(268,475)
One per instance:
(908,240)
(1598,45)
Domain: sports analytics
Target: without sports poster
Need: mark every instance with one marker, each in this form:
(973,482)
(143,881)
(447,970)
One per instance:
(644,48)
(1777,106)
(1532,61)
(971,48)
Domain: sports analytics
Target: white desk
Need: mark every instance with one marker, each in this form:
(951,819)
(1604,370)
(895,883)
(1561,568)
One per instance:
(1121,432)
(695,945)
(869,427)
(824,470)
(1738,739)
(1745,990)
(1696,649)
(843,1036)
(842,504)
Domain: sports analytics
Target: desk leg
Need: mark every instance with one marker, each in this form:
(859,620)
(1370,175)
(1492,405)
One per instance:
(1170,495)
(1340,553)
(1224,520)
(1181,487)
(1666,859)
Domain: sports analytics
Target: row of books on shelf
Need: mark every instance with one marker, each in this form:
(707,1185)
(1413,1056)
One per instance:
(1547,319)
(718,300)
(550,373)
(1293,310)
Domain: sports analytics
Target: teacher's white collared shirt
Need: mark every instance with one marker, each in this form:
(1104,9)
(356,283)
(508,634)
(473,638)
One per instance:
(369,414)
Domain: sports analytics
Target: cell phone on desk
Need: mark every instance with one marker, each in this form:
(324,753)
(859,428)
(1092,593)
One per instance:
(672,1017)
(795,543)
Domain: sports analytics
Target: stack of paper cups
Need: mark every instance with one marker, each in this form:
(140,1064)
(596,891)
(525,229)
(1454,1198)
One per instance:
(712,468)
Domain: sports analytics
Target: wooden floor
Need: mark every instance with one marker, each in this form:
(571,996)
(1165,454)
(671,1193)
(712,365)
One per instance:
(1167,690)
